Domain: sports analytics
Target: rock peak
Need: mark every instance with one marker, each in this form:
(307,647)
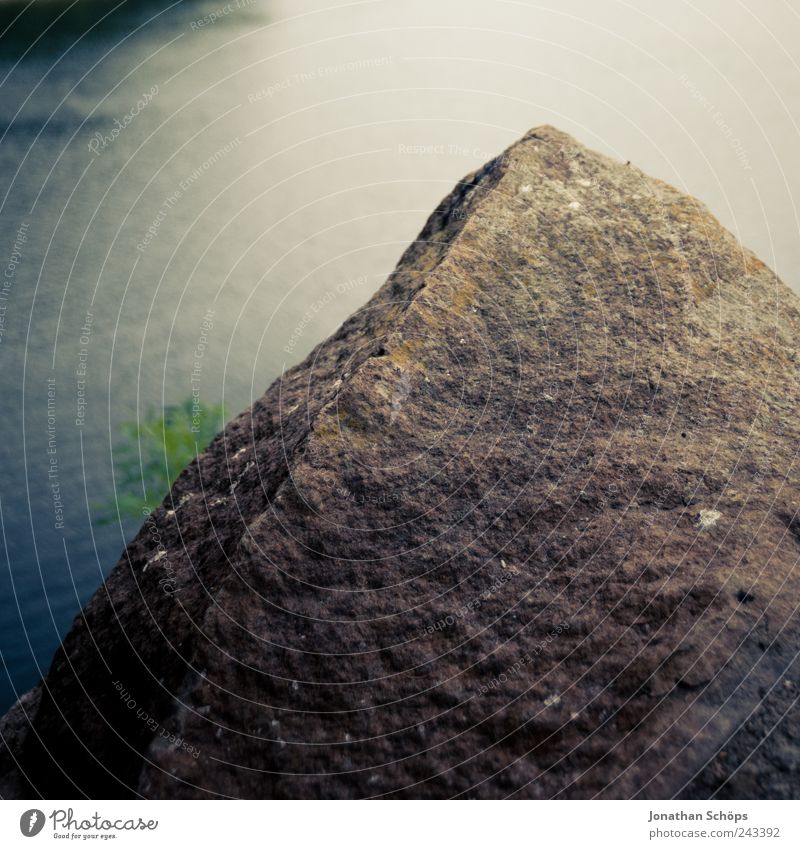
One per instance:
(524,525)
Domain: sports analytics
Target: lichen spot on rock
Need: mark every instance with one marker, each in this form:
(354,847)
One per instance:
(708,519)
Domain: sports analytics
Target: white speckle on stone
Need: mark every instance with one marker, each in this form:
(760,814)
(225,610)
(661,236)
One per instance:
(170,512)
(708,519)
(503,563)
(240,452)
(526,188)
(575,205)
(585,183)
(552,701)
(574,715)
(462,341)
(295,685)
(788,684)
(155,559)
(549,398)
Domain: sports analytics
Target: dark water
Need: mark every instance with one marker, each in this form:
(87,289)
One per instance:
(243,175)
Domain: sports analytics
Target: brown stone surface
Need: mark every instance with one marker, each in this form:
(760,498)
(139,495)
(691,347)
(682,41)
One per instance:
(526,525)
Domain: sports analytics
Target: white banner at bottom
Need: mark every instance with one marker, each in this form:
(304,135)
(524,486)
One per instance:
(403,825)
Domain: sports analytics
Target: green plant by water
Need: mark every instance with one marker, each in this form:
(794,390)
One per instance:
(153,451)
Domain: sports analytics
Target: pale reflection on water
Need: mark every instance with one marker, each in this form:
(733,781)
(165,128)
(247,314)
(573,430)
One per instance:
(257,168)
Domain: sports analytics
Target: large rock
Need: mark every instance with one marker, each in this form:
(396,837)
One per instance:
(526,524)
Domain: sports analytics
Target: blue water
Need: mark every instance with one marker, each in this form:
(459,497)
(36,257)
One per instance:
(75,306)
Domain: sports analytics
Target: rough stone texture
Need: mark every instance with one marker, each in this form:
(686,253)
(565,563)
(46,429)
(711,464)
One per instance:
(525,525)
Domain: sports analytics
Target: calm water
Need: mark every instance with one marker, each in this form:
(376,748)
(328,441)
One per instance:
(204,172)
